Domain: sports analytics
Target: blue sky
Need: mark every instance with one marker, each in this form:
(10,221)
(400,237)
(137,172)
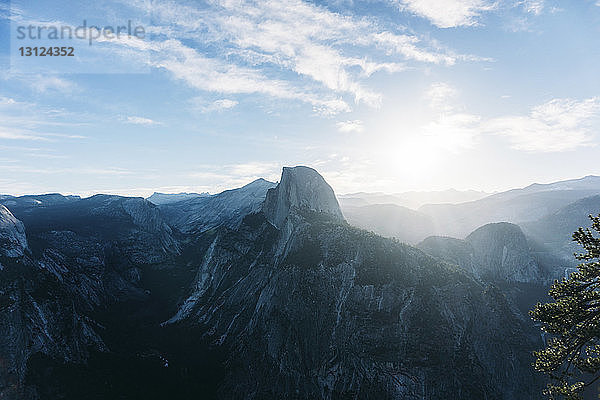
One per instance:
(378,95)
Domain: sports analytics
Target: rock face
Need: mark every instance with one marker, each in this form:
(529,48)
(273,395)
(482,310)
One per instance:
(454,251)
(497,252)
(227,208)
(85,256)
(306,306)
(13,241)
(295,302)
(300,188)
(38,312)
(556,230)
(502,252)
(168,198)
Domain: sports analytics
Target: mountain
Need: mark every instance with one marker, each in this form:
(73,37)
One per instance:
(589,183)
(452,250)
(413,199)
(516,206)
(167,198)
(555,230)
(307,306)
(390,220)
(73,223)
(259,292)
(82,303)
(36,201)
(500,254)
(300,188)
(226,208)
(13,242)
(496,252)
(39,314)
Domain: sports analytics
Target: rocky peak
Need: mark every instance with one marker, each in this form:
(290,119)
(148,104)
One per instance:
(300,188)
(13,241)
(502,252)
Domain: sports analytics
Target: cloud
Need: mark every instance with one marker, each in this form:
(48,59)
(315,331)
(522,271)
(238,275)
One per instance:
(452,132)
(350,126)
(534,6)
(287,49)
(216,178)
(215,106)
(214,75)
(557,125)
(20,120)
(447,13)
(48,83)
(440,96)
(451,129)
(141,121)
(93,171)
(18,134)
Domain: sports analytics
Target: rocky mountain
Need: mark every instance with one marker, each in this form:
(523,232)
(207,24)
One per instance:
(496,252)
(36,201)
(38,314)
(412,200)
(84,256)
(454,251)
(308,307)
(391,220)
(500,254)
(259,292)
(517,206)
(301,188)
(555,230)
(13,241)
(227,208)
(168,198)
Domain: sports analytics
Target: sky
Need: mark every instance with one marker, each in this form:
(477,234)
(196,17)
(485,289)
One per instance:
(377,95)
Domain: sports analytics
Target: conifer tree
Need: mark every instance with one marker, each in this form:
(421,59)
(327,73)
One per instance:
(572,354)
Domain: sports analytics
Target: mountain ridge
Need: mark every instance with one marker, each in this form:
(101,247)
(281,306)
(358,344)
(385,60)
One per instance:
(296,302)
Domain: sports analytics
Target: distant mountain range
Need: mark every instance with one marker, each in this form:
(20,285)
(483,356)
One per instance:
(527,207)
(269,291)
(167,198)
(412,199)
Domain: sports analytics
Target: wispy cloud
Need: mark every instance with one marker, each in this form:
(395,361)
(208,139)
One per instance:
(557,125)
(534,6)
(18,134)
(286,49)
(203,106)
(331,53)
(441,96)
(448,13)
(47,83)
(452,132)
(216,178)
(141,121)
(350,126)
(83,170)
(22,120)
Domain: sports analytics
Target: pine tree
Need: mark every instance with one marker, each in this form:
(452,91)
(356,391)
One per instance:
(572,354)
